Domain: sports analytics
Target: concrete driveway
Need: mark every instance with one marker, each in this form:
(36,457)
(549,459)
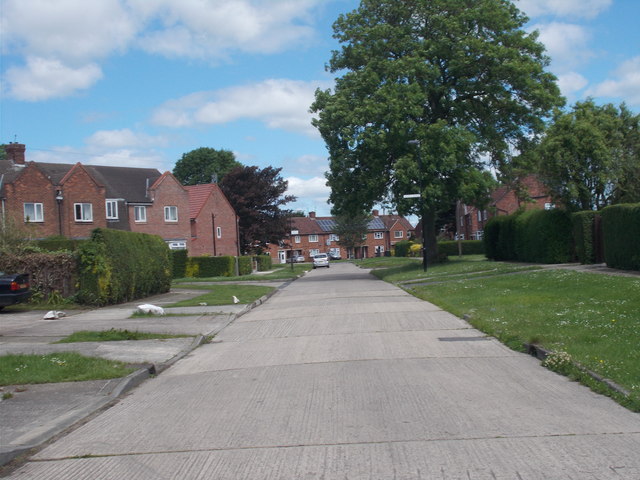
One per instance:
(342,376)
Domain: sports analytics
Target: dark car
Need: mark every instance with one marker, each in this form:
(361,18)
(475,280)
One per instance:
(14,288)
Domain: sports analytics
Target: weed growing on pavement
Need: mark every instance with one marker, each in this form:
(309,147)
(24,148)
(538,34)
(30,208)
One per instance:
(223,295)
(114,335)
(58,367)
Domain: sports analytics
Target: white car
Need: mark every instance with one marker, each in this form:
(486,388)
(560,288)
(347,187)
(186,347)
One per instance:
(321,260)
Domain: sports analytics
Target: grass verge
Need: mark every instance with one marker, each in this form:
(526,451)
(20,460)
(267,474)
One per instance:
(591,319)
(280,272)
(223,294)
(58,367)
(114,335)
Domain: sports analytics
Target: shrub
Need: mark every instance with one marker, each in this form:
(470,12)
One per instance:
(50,274)
(206,266)
(117,266)
(544,236)
(415,250)
(402,248)
(179,261)
(469,247)
(57,243)
(500,237)
(264,262)
(583,228)
(621,229)
(245,265)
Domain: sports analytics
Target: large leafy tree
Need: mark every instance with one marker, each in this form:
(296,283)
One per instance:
(204,165)
(351,229)
(460,76)
(257,196)
(590,156)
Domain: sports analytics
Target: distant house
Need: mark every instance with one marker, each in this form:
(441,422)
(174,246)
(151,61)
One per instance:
(505,200)
(313,235)
(73,199)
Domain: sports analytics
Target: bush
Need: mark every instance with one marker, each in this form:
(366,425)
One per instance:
(57,243)
(116,266)
(500,237)
(469,247)
(583,228)
(245,265)
(206,266)
(50,274)
(621,228)
(264,262)
(544,236)
(402,248)
(179,261)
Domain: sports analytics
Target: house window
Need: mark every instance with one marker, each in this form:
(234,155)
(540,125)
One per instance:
(313,238)
(112,209)
(313,252)
(140,213)
(334,238)
(33,212)
(83,212)
(398,234)
(549,206)
(171,214)
(296,239)
(378,235)
(219,232)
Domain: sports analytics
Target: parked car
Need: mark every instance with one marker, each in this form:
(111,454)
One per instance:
(296,259)
(321,260)
(14,288)
(335,256)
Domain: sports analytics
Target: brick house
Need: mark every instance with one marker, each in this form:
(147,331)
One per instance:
(213,222)
(312,235)
(505,200)
(72,200)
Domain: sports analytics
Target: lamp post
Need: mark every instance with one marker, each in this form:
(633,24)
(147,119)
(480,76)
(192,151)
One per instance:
(421,204)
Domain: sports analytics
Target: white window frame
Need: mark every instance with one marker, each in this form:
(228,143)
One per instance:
(139,214)
(111,209)
(297,239)
(168,210)
(83,212)
(38,212)
(219,232)
(313,252)
(313,239)
(378,235)
(398,234)
(334,238)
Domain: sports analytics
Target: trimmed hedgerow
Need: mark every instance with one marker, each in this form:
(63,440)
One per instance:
(469,247)
(58,243)
(50,273)
(401,249)
(264,262)
(544,236)
(179,260)
(116,266)
(621,228)
(206,266)
(583,228)
(245,266)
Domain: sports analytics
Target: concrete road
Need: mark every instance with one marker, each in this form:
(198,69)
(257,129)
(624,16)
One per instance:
(342,376)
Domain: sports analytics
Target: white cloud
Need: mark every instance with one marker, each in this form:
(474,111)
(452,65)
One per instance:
(564,8)
(570,83)
(96,156)
(566,43)
(43,79)
(625,85)
(124,138)
(278,103)
(312,194)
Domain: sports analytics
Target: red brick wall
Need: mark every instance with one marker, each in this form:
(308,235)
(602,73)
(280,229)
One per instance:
(206,240)
(79,187)
(32,186)
(167,191)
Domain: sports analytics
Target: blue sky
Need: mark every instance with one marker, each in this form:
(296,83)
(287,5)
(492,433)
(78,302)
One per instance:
(140,82)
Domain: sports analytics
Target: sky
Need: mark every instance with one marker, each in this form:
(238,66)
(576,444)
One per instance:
(139,83)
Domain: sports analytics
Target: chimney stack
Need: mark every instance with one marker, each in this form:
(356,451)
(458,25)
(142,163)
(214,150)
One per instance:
(312,214)
(375,213)
(15,152)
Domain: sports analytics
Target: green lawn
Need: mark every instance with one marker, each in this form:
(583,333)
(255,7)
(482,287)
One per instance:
(279,272)
(223,294)
(114,335)
(58,367)
(594,318)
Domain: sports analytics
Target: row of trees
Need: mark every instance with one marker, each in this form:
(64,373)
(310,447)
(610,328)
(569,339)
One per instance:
(433,95)
(257,195)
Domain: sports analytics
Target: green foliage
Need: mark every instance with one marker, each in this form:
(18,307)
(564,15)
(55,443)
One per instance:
(206,266)
(469,247)
(351,229)
(57,243)
(179,259)
(544,236)
(245,266)
(500,237)
(621,227)
(200,165)
(51,274)
(113,335)
(117,266)
(584,236)
(264,263)
(589,156)
(402,248)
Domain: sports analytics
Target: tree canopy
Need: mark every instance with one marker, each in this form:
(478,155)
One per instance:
(204,165)
(351,229)
(257,196)
(590,156)
(460,76)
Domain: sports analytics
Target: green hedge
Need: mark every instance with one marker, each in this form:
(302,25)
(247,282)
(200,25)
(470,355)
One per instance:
(583,229)
(245,265)
(499,237)
(621,228)
(58,243)
(401,249)
(264,262)
(213,266)
(469,247)
(116,266)
(179,258)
